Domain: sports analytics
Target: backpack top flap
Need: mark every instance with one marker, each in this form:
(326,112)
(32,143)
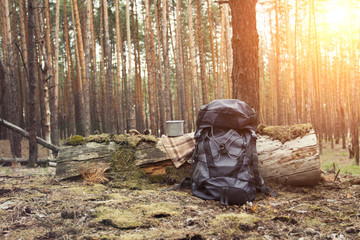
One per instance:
(227,113)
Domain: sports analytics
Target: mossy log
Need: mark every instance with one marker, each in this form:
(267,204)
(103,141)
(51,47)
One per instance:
(294,162)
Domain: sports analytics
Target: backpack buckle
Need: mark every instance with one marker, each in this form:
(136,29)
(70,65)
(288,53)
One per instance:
(222,148)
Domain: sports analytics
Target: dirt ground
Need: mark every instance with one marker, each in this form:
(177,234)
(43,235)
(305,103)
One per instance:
(33,205)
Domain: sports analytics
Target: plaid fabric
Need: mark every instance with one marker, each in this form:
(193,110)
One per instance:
(179,148)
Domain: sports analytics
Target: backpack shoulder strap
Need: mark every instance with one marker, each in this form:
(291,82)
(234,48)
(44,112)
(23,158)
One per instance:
(259,181)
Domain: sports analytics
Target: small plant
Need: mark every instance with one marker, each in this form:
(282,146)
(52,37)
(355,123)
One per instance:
(94,175)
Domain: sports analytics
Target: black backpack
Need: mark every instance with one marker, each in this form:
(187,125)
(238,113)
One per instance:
(225,163)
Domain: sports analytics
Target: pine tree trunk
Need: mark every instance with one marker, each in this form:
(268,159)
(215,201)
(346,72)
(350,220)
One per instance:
(215,81)
(12,81)
(95,106)
(139,104)
(32,103)
(279,86)
(160,85)
(119,49)
(193,60)
(109,78)
(86,59)
(245,73)
(23,37)
(55,110)
(149,45)
(84,76)
(130,87)
(165,51)
(204,84)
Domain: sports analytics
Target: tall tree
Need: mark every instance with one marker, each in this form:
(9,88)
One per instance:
(193,59)
(55,110)
(95,106)
(69,82)
(214,71)
(179,60)
(109,78)
(204,84)
(150,66)
(12,80)
(130,100)
(83,84)
(165,51)
(119,51)
(33,123)
(245,44)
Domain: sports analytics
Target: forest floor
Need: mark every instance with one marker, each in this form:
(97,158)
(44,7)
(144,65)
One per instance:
(33,205)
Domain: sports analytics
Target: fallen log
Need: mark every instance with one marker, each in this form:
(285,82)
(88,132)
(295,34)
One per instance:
(26,134)
(294,162)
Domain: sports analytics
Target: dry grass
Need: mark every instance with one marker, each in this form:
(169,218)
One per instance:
(94,175)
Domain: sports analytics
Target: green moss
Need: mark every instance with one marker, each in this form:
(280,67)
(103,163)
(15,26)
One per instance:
(232,223)
(284,133)
(133,140)
(177,174)
(99,138)
(125,173)
(139,215)
(121,218)
(74,140)
(157,179)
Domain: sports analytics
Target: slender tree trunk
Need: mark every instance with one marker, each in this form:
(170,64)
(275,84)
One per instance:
(215,81)
(13,84)
(130,87)
(180,63)
(204,84)
(84,76)
(279,86)
(68,90)
(193,60)
(55,110)
(102,99)
(23,37)
(222,52)
(86,59)
(119,49)
(95,85)
(150,64)
(160,85)
(141,86)
(33,123)
(110,95)
(165,51)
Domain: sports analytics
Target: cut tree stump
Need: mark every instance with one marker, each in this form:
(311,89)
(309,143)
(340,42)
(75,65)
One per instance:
(295,162)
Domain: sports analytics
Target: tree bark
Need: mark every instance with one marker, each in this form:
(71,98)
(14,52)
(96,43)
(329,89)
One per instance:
(204,84)
(245,43)
(12,81)
(84,81)
(109,80)
(151,67)
(130,87)
(32,103)
(193,59)
(215,81)
(69,82)
(165,51)
(119,49)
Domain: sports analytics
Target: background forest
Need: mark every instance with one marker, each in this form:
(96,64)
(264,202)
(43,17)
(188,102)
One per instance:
(111,66)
